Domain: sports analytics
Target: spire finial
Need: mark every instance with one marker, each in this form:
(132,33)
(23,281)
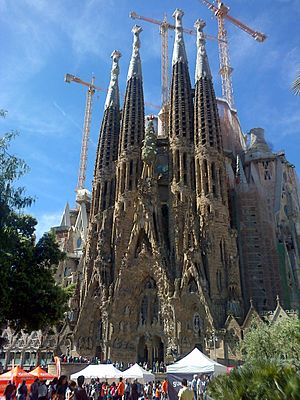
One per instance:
(278,300)
(112,98)
(135,68)
(251,303)
(179,53)
(202,65)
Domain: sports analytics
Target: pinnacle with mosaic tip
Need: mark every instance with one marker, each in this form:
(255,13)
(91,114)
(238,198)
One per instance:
(112,98)
(202,65)
(135,68)
(179,53)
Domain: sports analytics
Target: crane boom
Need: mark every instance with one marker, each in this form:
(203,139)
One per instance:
(164,26)
(221,13)
(86,126)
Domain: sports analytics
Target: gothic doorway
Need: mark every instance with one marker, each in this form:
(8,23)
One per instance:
(150,349)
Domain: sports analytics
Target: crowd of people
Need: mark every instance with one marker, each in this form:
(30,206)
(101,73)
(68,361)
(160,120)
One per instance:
(62,389)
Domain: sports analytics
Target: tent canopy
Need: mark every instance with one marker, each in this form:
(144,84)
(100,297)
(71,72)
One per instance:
(38,372)
(16,373)
(102,371)
(196,362)
(139,373)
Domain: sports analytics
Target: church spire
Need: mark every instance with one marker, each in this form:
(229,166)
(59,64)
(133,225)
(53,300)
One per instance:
(179,53)
(132,127)
(112,98)
(135,67)
(202,65)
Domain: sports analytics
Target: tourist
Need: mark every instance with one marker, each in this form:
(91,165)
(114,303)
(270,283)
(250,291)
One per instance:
(164,389)
(134,393)
(201,386)
(22,391)
(112,392)
(185,393)
(52,389)
(61,387)
(127,390)
(70,392)
(120,389)
(9,391)
(157,392)
(80,393)
(104,390)
(42,391)
(194,386)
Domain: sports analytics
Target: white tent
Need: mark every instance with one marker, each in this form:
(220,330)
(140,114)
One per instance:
(139,373)
(196,362)
(102,371)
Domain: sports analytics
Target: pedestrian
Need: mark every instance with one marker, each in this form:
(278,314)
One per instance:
(42,391)
(22,391)
(185,393)
(134,394)
(61,387)
(9,391)
(201,387)
(157,392)
(34,390)
(164,389)
(120,389)
(70,392)
(127,390)
(52,389)
(194,386)
(80,393)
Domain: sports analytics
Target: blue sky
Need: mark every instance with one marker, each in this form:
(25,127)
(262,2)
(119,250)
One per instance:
(41,40)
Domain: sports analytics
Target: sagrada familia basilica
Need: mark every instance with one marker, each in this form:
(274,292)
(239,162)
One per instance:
(191,230)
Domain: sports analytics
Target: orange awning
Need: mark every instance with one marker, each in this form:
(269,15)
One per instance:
(16,373)
(38,372)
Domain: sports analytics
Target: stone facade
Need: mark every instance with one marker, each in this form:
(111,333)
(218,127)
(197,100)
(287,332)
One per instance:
(188,223)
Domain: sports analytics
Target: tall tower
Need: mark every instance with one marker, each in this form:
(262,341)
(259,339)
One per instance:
(129,154)
(219,240)
(97,263)
(181,139)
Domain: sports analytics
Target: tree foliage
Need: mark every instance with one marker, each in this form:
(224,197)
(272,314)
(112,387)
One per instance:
(278,341)
(264,380)
(30,298)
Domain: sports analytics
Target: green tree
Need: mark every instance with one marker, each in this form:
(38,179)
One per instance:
(263,380)
(279,341)
(29,297)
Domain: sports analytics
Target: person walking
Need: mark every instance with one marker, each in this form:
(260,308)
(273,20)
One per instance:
(80,393)
(120,389)
(194,386)
(185,393)
(164,389)
(61,387)
(9,391)
(134,392)
(42,391)
(70,392)
(22,391)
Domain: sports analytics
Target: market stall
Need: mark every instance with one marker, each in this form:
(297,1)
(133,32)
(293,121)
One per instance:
(193,363)
(139,373)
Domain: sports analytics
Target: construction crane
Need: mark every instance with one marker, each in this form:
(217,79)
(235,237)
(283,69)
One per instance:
(164,26)
(86,126)
(221,12)
(87,123)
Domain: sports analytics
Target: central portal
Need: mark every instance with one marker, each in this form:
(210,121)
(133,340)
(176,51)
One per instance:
(150,349)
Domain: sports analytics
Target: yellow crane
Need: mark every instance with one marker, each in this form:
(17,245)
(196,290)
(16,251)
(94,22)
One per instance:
(86,126)
(221,11)
(164,26)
